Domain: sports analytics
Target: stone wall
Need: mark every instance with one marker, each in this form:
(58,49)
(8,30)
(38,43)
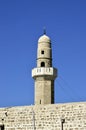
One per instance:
(45,117)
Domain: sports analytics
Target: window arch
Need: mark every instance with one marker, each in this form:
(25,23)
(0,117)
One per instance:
(42,64)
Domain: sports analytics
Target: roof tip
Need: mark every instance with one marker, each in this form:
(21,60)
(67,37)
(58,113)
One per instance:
(44,30)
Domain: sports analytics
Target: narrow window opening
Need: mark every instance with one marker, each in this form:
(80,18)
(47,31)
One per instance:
(42,52)
(40,101)
(1,127)
(42,64)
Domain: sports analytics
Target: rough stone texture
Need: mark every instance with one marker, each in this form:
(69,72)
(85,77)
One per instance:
(44,91)
(46,117)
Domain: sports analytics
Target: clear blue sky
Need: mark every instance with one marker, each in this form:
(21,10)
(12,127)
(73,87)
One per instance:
(21,24)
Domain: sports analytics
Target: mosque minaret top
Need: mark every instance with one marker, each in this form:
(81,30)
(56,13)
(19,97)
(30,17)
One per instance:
(44,38)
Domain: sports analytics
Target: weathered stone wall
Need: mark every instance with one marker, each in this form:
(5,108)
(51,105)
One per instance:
(44,91)
(45,117)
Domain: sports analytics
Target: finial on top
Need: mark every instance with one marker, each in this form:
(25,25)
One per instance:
(44,30)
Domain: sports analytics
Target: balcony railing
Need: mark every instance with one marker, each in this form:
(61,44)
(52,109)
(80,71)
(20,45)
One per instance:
(44,71)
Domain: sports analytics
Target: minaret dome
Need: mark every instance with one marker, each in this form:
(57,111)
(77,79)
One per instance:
(44,38)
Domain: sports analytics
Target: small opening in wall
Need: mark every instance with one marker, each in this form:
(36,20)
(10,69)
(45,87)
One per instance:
(1,127)
(40,101)
(42,64)
(42,52)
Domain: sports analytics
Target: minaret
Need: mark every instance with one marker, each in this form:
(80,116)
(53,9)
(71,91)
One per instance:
(44,74)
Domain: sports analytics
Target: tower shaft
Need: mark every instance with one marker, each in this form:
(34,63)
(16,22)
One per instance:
(44,91)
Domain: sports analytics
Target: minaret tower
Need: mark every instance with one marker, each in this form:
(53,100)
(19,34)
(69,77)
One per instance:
(44,74)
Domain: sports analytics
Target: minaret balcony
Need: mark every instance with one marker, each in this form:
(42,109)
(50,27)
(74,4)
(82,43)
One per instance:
(48,71)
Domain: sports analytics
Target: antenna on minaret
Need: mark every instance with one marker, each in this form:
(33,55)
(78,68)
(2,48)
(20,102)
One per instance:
(44,30)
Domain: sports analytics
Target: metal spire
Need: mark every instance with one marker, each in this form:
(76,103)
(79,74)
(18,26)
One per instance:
(44,30)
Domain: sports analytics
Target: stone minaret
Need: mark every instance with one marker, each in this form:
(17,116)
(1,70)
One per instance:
(44,74)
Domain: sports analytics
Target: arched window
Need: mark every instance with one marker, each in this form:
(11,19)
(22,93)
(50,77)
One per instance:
(42,64)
